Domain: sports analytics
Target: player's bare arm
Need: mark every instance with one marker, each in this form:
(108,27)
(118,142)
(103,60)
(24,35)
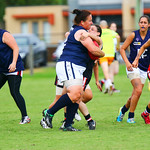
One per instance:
(10,41)
(118,42)
(123,49)
(88,43)
(96,74)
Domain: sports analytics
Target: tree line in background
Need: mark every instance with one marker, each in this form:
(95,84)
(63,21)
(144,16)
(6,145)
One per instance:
(6,3)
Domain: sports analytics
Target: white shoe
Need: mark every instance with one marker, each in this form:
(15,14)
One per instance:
(108,87)
(63,125)
(110,90)
(25,120)
(77,117)
(43,124)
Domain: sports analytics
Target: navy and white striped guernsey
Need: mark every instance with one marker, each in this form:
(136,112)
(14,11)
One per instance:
(74,51)
(6,56)
(135,47)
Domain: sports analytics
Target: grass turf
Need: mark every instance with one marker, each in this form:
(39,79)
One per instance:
(39,91)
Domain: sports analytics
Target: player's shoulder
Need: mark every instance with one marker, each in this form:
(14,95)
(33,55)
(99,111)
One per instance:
(81,31)
(131,36)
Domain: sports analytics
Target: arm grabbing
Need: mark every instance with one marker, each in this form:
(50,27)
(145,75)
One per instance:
(88,43)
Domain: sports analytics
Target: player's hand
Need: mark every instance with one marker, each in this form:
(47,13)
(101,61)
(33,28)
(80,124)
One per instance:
(129,67)
(12,67)
(135,63)
(99,86)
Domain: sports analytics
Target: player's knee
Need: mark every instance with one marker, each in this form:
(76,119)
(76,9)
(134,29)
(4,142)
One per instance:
(13,93)
(75,96)
(89,96)
(138,91)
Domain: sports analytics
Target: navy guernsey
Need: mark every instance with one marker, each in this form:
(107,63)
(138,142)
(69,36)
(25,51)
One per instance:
(135,47)
(6,56)
(74,51)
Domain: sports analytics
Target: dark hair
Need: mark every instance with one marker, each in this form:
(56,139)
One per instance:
(145,16)
(98,29)
(112,23)
(81,15)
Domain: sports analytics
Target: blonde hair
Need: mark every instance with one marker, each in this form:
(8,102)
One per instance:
(103,23)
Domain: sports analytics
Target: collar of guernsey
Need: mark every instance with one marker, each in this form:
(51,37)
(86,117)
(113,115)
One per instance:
(108,42)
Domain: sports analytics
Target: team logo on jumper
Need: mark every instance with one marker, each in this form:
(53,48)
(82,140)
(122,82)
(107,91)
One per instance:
(137,43)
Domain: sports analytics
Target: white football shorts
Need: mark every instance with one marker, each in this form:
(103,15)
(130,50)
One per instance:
(69,73)
(137,73)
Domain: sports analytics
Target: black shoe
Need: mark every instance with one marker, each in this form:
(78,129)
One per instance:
(48,120)
(92,125)
(70,128)
(43,123)
(63,124)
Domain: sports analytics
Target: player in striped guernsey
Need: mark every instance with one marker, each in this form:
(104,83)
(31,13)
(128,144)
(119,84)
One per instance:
(71,66)
(95,33)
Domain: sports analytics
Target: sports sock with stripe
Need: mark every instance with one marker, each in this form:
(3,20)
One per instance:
(62,102)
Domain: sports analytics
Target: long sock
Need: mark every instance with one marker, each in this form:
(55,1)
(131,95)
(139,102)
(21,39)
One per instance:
(71,110)
(131,115)
(88,118)
(62,102)
(124,109)
(148,109)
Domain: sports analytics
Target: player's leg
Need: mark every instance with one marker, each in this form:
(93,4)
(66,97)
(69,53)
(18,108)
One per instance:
(146,113)
(126,107)
(74,90)
(111,75)
(86,97)
(87,94)
(108,84)
(59,90)
(14,82)
(3,79)
(137,91)
(137,78)
(111,71)
(114,68)
(84,110)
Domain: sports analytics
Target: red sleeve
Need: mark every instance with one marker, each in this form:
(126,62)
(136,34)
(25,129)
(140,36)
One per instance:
(91,55)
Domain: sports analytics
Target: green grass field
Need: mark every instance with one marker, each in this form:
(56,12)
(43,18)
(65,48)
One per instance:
(39,91)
